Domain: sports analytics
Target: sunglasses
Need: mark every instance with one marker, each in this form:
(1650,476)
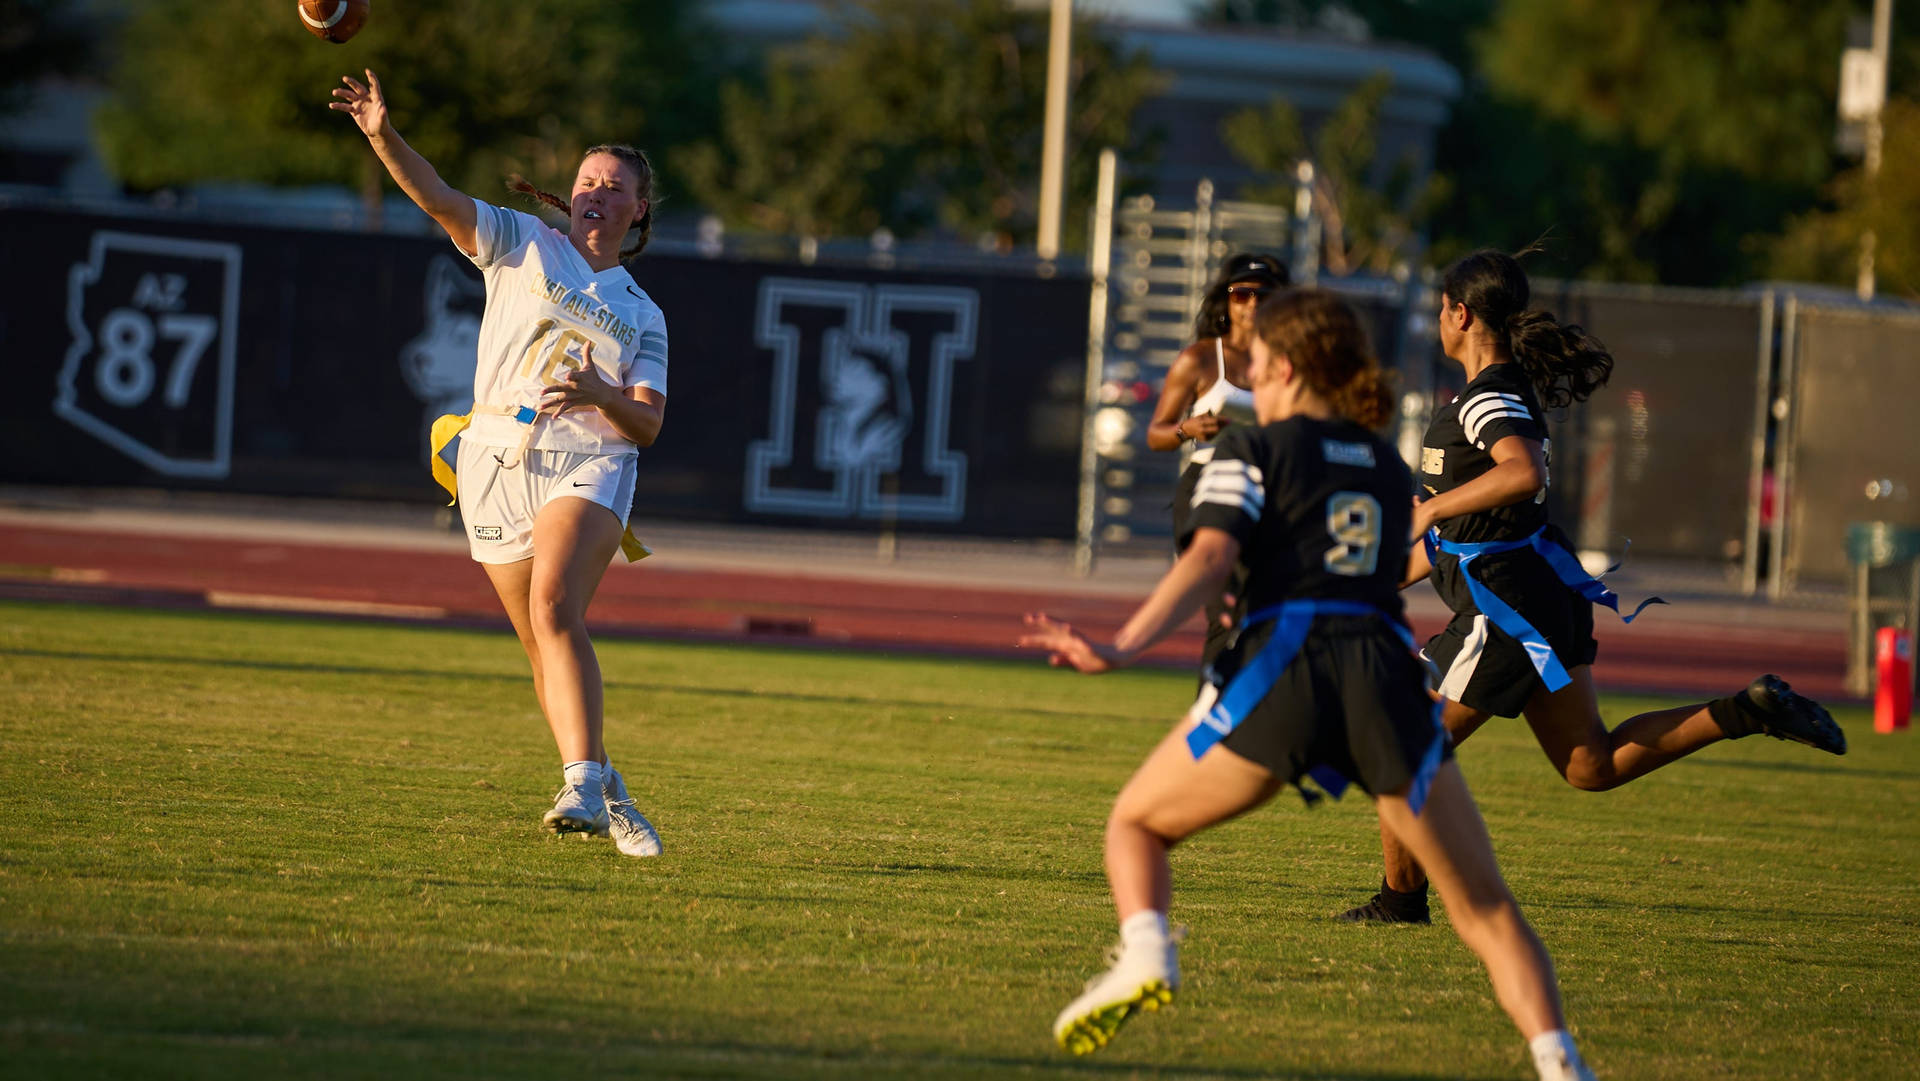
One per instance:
(1254,291)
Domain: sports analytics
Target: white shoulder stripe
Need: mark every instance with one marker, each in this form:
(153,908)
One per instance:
(1229,482)
(1485,403)
(1474,429)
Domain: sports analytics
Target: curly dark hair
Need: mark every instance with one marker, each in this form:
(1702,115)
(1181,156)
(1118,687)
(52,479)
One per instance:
(1322,336)
(1212,320)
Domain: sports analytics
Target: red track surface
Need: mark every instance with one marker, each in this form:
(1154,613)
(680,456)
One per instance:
(1667,651)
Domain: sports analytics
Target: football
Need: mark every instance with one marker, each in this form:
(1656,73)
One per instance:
(334,20)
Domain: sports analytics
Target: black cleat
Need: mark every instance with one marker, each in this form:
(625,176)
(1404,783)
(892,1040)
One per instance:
(1779,712)
(1390,906)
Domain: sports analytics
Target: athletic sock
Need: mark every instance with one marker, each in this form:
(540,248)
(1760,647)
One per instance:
(1736,715)
(1408,901)
(1144,930)
(1554,1055)
(584,774)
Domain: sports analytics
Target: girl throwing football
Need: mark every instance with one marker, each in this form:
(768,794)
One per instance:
(571,381)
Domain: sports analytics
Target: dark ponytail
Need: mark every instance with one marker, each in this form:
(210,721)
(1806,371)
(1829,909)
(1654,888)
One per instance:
(1565,364)
(635,159)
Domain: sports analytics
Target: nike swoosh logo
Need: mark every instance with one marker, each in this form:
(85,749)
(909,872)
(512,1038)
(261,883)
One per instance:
(636,292)
(581,484)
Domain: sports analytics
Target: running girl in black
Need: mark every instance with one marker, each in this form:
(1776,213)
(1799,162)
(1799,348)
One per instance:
(1521,638)
(1321,681)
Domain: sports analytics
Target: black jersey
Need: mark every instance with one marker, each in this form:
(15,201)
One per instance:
(1498,403)
(1321,509)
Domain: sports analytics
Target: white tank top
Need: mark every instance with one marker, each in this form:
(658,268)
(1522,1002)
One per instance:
(1221,399)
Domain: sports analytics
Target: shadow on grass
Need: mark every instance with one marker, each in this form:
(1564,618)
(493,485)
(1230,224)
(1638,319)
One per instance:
(882,1063)
(518,677)
(1823,764)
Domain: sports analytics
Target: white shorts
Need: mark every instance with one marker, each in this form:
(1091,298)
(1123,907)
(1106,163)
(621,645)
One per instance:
(498,504)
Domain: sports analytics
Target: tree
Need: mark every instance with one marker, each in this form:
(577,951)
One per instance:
(1660,140)
(1370,215)
(1824,244)
(915,117)
(522,90)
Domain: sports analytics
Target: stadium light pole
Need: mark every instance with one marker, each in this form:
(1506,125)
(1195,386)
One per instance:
(1882,47)
(1053,149)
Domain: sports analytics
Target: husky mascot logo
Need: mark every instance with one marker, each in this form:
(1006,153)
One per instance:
(861,396)
(438,363)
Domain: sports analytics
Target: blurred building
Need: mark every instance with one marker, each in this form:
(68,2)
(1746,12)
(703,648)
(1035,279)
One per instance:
(1211,72)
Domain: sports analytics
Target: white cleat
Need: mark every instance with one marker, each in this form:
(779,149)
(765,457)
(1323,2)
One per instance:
(1559,1068)
(633,835)
(577,810)
(1140,979)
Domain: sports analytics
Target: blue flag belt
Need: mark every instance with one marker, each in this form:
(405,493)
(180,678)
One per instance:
(1292,621)
(1565,566)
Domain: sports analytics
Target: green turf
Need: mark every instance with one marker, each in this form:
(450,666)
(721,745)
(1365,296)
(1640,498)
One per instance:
(250,847)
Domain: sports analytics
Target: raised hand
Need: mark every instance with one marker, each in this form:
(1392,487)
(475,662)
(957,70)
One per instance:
(365,102)
(1065,646)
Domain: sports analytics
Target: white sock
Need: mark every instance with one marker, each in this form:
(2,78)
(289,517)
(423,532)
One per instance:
(1145,930)
(1554,1053)
(584,774)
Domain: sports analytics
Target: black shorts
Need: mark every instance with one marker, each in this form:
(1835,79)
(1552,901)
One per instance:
(1354,699)
(1481,666)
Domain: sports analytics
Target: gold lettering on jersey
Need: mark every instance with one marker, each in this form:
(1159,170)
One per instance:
(586,309)
(1433,460)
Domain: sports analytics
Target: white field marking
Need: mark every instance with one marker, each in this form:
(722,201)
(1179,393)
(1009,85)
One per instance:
(220,598)
(339,10)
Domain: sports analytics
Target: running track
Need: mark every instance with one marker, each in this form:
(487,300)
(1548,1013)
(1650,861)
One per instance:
(1687,650)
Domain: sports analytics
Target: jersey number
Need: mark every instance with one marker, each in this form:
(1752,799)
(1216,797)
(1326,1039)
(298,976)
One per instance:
(557,357)
(1353,521)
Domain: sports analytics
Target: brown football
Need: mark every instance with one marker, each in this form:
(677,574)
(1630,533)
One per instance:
(335,20)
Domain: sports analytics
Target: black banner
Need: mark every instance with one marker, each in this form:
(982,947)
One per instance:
(273,361)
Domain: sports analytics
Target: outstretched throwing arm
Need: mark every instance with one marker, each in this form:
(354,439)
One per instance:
(366,103)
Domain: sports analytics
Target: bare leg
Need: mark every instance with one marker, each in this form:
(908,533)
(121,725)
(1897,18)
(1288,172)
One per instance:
(1171,797)
(1403,872)
(512,581)
(574,540)
(1450,840)
(1567,723)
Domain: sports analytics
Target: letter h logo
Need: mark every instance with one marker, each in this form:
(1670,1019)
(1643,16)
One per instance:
(863,386)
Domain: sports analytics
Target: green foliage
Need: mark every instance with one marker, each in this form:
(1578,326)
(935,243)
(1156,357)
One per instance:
(916,117)
(237,90)
(1824,245)
(1371,211)
(255,847)
(1657,139)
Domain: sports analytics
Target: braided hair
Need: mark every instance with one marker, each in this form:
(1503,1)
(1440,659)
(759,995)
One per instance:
(636,160)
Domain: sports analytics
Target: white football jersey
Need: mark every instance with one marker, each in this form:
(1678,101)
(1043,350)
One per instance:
(544,305)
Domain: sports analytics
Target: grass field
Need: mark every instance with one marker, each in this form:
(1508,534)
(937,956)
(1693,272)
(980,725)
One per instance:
(240,847)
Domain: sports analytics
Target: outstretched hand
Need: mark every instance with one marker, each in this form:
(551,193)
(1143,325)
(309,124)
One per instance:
(1065,646)
(366,103)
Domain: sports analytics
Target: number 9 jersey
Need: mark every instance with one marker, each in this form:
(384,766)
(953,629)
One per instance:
(1321,509)
(545,305)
